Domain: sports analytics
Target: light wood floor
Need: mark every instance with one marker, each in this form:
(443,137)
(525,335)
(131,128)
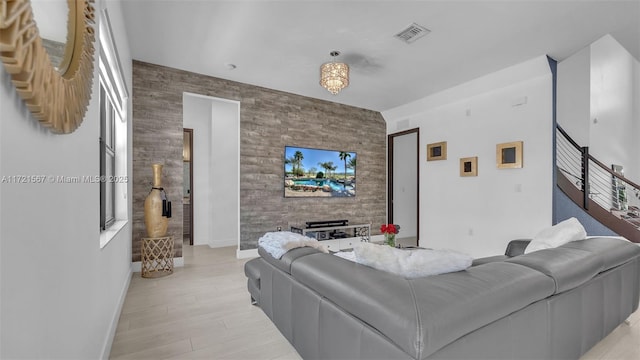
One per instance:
(202,311)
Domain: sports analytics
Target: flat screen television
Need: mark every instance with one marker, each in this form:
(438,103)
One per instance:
(319,173)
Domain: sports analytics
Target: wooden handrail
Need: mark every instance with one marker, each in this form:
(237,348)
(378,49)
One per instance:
(613,173)
(581,195)
(566,136)
(596,161)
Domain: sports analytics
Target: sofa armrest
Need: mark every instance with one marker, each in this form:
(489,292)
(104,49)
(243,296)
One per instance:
(516,247)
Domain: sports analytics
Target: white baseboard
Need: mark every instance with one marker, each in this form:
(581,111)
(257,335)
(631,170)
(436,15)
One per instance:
(106,349)
(137,265)
(245,254)
(223,243)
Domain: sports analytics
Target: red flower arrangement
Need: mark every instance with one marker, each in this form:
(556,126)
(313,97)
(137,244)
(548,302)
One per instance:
(389,228)
(390,231)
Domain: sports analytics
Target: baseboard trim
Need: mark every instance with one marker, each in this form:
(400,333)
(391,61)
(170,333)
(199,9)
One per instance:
(223,243)
(106,349)
(245,254)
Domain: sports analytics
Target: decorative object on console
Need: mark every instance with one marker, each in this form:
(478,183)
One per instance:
(469,166)
(334,76)
(559,234)
(390,231)
(411,264)
(58,98)
(437,151)
(335,235)
(157,209)
(509,155)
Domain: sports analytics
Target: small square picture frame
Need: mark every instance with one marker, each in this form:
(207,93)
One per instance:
(469,166)
(509,155)
(437,151)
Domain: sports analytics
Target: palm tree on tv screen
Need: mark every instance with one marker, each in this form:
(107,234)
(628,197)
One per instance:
(326,167)
(297,158)
(312,172)
(331,166)
(352,163)
(343,156)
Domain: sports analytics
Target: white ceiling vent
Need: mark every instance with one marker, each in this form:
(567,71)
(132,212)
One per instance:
(412,33)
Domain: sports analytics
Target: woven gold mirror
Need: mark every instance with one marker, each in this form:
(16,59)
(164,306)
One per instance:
(56,94)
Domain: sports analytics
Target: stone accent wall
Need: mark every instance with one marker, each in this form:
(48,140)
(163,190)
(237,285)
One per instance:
(269,121)
(157,138)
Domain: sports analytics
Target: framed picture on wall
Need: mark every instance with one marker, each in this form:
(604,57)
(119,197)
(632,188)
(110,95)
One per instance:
(509,155)
(437,151)
(469,166)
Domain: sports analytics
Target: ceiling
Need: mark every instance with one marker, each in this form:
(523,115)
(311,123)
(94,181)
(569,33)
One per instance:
(281,44)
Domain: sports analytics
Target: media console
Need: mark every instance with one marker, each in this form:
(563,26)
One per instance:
(336,235)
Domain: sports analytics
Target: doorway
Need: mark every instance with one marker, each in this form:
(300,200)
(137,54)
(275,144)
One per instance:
(404,185)
(215,166)
(187,193)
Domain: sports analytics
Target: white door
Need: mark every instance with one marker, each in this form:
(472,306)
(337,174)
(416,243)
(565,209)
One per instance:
(404,185)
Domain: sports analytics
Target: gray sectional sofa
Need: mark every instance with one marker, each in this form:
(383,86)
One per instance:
(549,304)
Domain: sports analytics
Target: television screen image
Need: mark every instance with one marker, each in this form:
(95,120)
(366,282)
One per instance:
(319,173)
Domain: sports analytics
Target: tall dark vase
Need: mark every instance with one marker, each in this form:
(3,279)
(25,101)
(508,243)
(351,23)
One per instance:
(157,209)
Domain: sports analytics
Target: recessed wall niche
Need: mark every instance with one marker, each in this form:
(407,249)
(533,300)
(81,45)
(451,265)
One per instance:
(437,151)
(469,166)
(509,155)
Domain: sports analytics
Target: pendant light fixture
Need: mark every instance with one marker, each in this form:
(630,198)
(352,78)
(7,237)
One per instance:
(334,76)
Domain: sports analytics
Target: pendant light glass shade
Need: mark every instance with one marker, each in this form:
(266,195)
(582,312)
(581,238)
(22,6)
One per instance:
(334,76)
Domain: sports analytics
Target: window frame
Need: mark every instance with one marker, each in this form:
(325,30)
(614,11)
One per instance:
(114,136)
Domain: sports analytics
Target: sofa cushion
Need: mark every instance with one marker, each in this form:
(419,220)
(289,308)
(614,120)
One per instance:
(612,251)
(422,315)
(452,305)
(566,266)
(284,263)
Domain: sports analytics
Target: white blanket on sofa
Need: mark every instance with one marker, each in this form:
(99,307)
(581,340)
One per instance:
(279,242)
(410,264)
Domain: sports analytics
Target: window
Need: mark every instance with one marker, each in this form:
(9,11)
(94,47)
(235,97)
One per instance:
(113,99)
(108,118)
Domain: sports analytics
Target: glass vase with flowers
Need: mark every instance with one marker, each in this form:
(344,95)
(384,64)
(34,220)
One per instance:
(390,231)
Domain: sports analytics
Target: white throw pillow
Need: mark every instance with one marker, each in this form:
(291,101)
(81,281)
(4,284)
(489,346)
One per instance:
(411,263)
(559,234)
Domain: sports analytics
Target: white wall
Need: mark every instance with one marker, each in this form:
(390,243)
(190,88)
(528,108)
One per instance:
(60,293)
(216,158)
(574,95)
(225,173)
(196,113)
(598,91)
(480,215)
(612,104)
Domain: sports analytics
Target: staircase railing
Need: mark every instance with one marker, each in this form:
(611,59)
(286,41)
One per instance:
(601,191)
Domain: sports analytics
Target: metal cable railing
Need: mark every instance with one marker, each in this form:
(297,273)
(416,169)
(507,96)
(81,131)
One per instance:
(600,185)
